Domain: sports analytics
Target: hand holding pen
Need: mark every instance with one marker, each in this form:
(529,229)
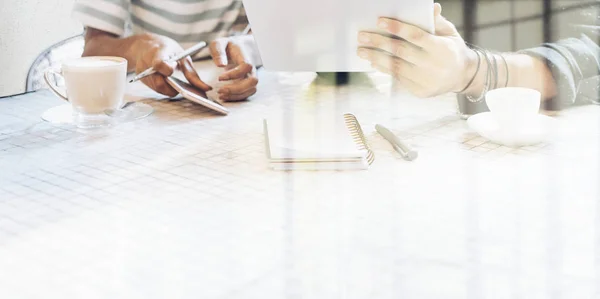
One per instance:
(189,52)
(158,57)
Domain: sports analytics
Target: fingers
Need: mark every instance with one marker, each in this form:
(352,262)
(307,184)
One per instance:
(437,9)
(239,72)
(187,68)
(164,68)
(218,51)
(236,54)
(239,97)
(386,69)
(427,63)
(410,33)
(241,89)
(406,82)
(395,47)
(158,83)
(405,72)
(227,52)
(443,27)
(384,59)
(239,86)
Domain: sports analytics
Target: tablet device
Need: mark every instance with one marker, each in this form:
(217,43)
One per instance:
(196,95)
(322,35)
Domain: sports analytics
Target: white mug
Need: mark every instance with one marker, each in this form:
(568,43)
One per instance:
(513,106)
(94,85)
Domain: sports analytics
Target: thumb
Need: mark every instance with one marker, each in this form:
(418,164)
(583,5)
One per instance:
(218,51)
(443,27)
(437,9)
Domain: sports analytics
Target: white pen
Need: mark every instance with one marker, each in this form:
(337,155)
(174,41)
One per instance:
(191,51)
(405,151)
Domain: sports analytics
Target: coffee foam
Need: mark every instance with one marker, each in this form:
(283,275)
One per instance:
(91,63)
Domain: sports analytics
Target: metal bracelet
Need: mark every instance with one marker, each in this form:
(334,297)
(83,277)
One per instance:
(487,77)
(476,72)
(506,66)
(495,71)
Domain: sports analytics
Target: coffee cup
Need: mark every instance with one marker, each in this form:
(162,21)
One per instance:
(94,85)
(512,107)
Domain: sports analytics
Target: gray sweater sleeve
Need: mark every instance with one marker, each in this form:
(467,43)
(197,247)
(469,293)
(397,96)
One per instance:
(572,61)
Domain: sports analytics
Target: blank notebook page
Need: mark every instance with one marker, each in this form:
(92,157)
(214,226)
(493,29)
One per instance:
(311,138)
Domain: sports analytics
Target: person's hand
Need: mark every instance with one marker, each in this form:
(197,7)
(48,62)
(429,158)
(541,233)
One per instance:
(234,54)
(425,64)
(152,51)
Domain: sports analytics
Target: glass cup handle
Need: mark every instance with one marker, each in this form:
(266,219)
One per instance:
(55,90)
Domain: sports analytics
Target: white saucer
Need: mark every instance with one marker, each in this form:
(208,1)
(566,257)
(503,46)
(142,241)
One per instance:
(535,131)
(63,115)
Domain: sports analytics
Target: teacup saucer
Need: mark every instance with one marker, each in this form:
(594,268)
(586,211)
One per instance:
(534,131)
(64,115)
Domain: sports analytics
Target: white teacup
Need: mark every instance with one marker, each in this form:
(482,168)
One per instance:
(94,85)
(513,106)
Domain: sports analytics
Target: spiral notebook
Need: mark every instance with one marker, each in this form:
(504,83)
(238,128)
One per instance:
(334,144)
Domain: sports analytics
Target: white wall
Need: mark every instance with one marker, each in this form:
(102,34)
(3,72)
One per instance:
(27,27)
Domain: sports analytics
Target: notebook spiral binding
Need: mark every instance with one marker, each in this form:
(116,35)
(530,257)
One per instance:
(358,136)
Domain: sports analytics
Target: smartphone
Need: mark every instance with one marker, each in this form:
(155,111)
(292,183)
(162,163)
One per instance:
(196,95)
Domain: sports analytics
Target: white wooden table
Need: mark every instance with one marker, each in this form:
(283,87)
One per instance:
(182,204)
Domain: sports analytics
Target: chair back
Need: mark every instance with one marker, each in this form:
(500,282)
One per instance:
(53,57)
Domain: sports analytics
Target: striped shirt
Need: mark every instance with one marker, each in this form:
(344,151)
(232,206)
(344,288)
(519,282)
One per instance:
(185,21)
